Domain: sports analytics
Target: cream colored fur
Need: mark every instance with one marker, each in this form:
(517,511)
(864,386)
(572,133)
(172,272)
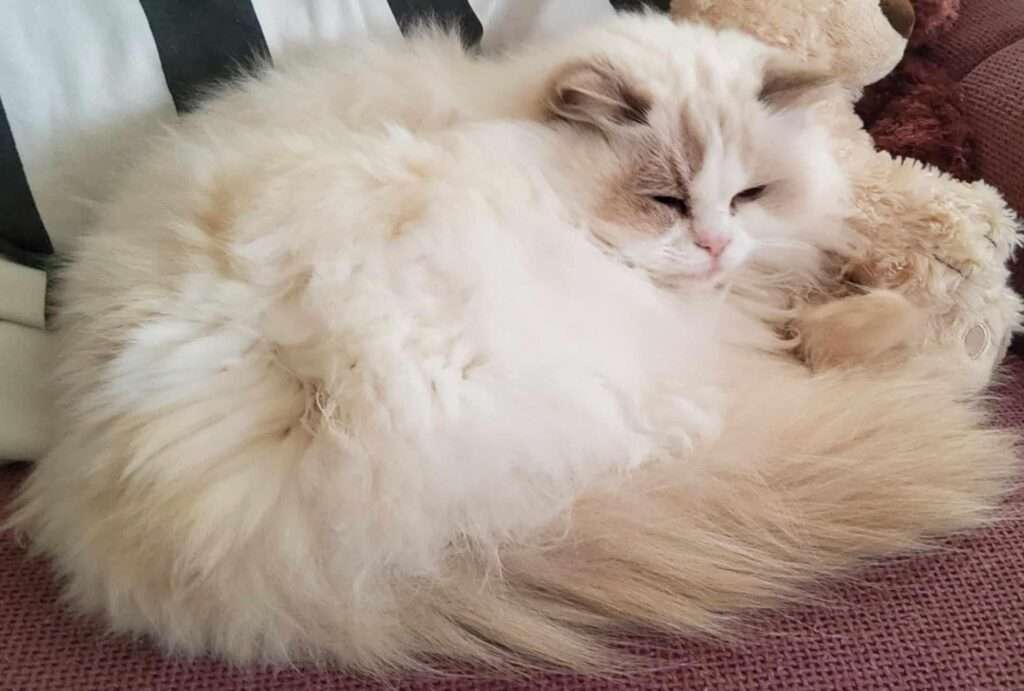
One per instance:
(378,393)
(860,330)
(856,40)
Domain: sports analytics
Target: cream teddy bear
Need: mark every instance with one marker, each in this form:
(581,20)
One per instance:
(931,277)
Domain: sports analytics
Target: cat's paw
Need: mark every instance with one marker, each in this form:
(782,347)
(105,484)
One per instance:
(880,326)
(686,420)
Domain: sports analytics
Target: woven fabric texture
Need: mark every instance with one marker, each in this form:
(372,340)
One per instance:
(942,621)
(984,28)
(986,48)
(993,101)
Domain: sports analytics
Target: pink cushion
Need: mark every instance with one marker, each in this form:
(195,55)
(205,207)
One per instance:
(993,102)
(985,27)
(944,621)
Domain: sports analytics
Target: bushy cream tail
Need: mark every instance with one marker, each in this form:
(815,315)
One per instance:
(841,469)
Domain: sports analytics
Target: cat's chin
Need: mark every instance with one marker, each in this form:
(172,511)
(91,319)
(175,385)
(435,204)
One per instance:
(714,271)
(711,277)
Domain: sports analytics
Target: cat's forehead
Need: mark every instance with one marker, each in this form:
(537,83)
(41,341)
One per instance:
(689,135)
(704,96)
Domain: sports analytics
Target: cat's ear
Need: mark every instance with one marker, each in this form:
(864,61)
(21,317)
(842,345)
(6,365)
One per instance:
(596,94)
(789,83)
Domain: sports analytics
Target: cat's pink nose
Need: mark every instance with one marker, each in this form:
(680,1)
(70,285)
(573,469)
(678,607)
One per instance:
(713,243)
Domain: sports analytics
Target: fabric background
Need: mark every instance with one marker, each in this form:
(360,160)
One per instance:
(984,28)
(994,105)
(986,51)
(23,343)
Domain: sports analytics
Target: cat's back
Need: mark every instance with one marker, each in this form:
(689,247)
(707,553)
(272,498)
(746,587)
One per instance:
(334,304)
(306,250)
(242,226)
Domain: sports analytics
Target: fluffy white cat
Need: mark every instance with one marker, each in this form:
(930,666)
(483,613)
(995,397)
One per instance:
(397,353)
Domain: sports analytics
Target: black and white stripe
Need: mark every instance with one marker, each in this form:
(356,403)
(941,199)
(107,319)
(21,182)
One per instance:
(82,82)
(457,14)
(637,5)
(203,42)
(24,236)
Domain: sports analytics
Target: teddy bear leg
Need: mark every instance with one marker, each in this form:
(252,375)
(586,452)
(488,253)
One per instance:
(944,244)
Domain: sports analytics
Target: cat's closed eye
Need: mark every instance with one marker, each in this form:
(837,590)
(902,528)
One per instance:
(750,194)
(678,204)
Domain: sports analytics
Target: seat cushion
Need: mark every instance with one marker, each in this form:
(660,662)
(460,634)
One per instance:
(993,102)
(984,28)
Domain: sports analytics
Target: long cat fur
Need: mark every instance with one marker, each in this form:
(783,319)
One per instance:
(266,445)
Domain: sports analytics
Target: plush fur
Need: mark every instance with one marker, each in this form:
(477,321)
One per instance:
(916,113)
(940,243)
(857,41)
(364,374)
(933,19)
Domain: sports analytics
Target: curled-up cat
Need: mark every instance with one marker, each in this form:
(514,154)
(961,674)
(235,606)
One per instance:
(459,385)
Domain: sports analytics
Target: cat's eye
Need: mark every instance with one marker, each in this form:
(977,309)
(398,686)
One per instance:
(677,204)
(750,194)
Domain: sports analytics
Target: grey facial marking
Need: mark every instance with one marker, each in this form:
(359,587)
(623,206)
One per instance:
(691,143)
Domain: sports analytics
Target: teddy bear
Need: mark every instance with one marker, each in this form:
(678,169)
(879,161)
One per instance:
(929,277)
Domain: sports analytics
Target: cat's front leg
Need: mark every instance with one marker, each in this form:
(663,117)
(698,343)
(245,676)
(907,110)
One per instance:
(686,420)
(881,326)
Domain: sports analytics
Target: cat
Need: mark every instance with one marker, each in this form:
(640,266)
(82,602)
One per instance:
(397,354)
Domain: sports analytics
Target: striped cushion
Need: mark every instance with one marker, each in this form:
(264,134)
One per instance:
(82,84)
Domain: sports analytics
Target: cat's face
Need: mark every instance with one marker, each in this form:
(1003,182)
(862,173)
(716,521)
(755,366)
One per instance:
(712,159)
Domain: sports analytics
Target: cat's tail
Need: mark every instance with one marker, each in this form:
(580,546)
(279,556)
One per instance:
(840,469)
